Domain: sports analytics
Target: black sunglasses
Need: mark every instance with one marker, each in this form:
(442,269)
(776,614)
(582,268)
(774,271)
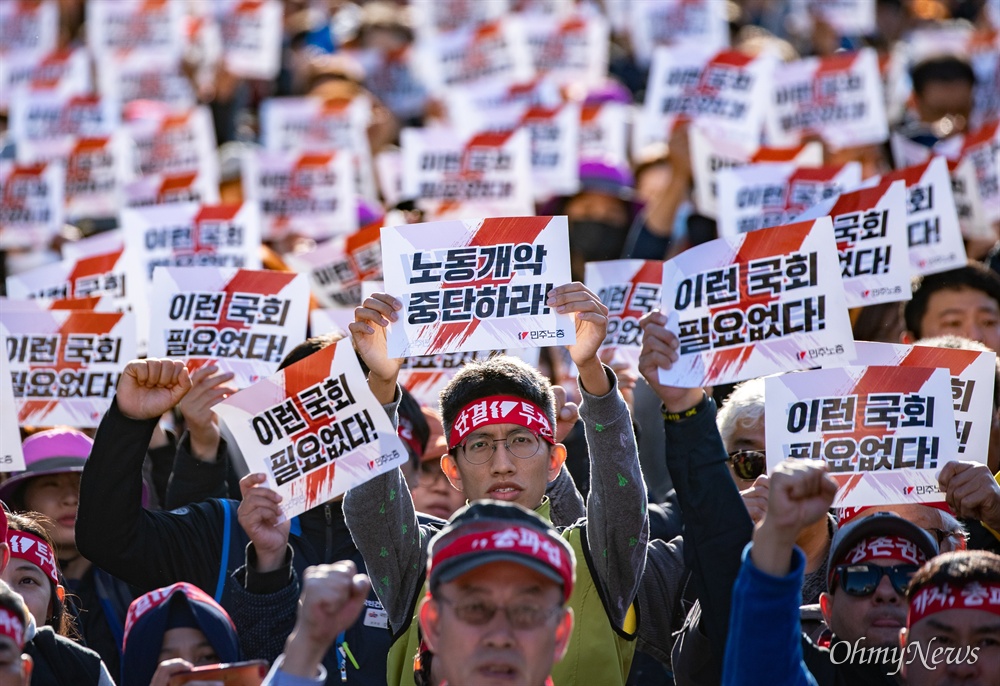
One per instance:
(862,579)
(748,464)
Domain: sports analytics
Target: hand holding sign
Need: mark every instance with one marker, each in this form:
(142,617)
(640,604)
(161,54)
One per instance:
(258,514)
(972,492)
(591,319)
(659,351)
(148,388)
(369,336)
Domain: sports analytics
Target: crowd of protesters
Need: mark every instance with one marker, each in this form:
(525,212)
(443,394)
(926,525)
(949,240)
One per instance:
(629,534)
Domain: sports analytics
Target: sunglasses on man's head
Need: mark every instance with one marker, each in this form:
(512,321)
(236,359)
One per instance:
(862,579)
(748,464)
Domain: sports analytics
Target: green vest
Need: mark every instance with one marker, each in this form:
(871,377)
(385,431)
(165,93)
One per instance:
(597,653)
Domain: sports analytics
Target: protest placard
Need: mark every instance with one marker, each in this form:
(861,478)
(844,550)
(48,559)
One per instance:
(982,148)
(654,23)
(46,123)
(190,235)
(931,219)
(28,26)
(97,244)
(840,98)
(476,286)
(709,155)
(330,320)
(138,75)
(305,194)
(162,189)
(487,174)
(313,429)
(425,377)
(847,17)
(65,364)
(494,52)
(337,267)
(31,203)
(569,50)
(968,203)
(96,170)
(251,37)
(762,302)
(884,432)
(869,227)
(604,132)
(176,143)
(101,275)
(757,196)
(973,375)
(727,91)
(243,320)
(125,25)
(392,77)
(65,71)
(11,455)
(442,16)
(630,289)
(555,139)
(481,103)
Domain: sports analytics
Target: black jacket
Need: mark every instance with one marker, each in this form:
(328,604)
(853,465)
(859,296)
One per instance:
(59,661)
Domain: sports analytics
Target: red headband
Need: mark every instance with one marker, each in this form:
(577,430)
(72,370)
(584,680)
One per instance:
(499,409)
(971,596)
(28,546)
(885,548)
(405,431)
(513,540)
(11,627)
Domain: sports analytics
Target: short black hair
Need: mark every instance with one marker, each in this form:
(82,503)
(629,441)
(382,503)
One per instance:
(956,568)
(308,347)
(973,275)
(499,375)
(941,68)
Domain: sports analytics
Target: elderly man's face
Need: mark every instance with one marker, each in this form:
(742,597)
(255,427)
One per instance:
(749,435)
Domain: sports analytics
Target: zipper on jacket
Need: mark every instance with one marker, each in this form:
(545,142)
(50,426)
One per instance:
(329,533)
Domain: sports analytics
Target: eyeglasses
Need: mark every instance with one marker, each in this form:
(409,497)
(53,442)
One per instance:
(862,579)
(481,612)
(748,464)
(429,472)
(519,443)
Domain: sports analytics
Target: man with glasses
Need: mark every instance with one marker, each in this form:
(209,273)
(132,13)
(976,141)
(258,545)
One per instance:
(496,610)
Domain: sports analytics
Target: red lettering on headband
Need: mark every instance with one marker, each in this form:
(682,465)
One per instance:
(11,627)
(971,596)
(155,598)
(885,548)
(499,409)
(31,548)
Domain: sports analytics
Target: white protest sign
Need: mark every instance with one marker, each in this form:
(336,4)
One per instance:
(97,244)
(162,189)
(314,125)
(28,27)
(569,50)
(337,267)
(726,91)
(391,75)
(763,302)
(101,275)
(757,196)
(122,26)
(96,168)
(251,37)
(442,16)
(314,429)
(604,132)
(31,203)
(425,377)
(709,155)
(973,374)
(884,432)
(630,289)
(191,235)
(475,102)
(46,123)
(488,173)
(847,17)
(555,137)
(330,320)
(64,71)
(968,203)
(492,52)
(306,194)
(982,147)
(65,363)
(838,97)
(176,143)
(931,220)
(476,286)
(653,23)
(11,455)
(868,226)
(156,77)
(244,321)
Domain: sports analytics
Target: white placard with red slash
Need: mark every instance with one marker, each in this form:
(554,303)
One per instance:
(305,194)
(65,364)
(838,97)
(630,289)
(251,37)
(847,17)
(569,50)
(763,302)
(28,27)
(77,278)
(442,16)
(884,432)
(982,148)
(314,429)
(425,377)
(156,77)
(45,124)
(653,23)
(244,320)
(64,71)
(476,286)
(163,189)
(31,203)
(870,228)
(337,267)
(495,52)
(709,156)
(555,137)
(727,91)
(488,173)
(96,170)
(117,28)
(604,132)
(11,455)
(176,143)
(968,203)
(191,235)
(757,196)
(973,374)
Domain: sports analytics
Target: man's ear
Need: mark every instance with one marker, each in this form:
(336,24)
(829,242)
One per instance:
(4,555)
(450,468)
(563,633)
(428,616)
(557,457)
(826,606)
